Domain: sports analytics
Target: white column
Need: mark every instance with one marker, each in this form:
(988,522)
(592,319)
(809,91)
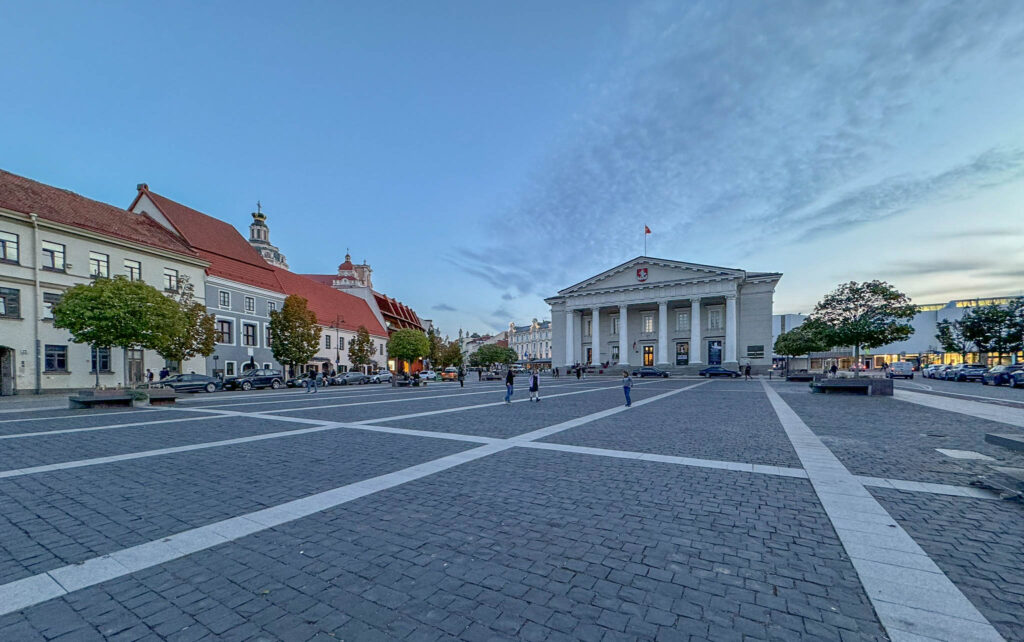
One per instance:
(730,328)
(663,332)
(623,337)
(570,342)
(595,336)
(695,347)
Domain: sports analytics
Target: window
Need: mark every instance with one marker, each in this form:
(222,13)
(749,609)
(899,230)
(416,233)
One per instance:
(755,352)
(268,342)
(223,331)
(99,265)
(327,341)
(56,359)
(50,299)
(250,304)
(53,256)
(249,334)
(615,353)
(8,247)
(615,325)
(10,303)
(133,269)
(341,343)
(100,357)
(170,280)
(647,322)
(380,349)
(271,306)
(714,319)
(224,299)
(229,368)
(682,321)
(267,366)
(588,328)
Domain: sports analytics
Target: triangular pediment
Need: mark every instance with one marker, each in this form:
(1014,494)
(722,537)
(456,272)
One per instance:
(645,270)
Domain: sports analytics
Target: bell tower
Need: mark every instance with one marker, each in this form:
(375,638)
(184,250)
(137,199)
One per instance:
(259,239)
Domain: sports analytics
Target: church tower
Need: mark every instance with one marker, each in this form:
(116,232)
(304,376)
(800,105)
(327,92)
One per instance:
(259,238)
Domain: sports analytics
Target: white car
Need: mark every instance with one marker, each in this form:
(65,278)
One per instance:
(428,375)
(381,377)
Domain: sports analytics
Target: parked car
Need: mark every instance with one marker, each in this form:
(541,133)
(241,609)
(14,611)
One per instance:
(351,378)
(450,374)
(1017,381)
(1001,375)
(299,381)
(940,371)
(648,371)
(191,383)
(383,376)
(256,378)
(930,370)
(901,369)
(493,376)
(968,372)
(718,371)
(427,375)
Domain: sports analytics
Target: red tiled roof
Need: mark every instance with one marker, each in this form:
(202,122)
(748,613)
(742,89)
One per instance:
(325,279)
(27,196)
(330,304)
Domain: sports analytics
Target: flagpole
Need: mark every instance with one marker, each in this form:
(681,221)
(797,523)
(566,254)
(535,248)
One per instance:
(645,239)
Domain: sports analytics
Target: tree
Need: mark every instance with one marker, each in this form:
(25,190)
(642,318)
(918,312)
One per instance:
(986,327)
(408,345)
(490,354)
(451,355)
(867,315)
(436,346)
(117,312)
(194,331)
(951,337)
(1014,338)
(802,340)
(294,333)
(360,349)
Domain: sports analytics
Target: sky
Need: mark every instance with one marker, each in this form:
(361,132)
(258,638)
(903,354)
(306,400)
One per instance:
(483,155)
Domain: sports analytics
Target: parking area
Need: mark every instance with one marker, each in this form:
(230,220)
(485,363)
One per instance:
(709,510)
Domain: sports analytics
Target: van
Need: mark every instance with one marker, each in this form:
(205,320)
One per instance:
(901,370)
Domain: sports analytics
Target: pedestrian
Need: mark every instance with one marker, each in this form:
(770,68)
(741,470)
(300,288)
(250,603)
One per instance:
(627,383)
(746,372)
(462,378)
(510,379)
(834,369)
(149,375)
(578,373)
(479,374)
(164,372)
(535,386)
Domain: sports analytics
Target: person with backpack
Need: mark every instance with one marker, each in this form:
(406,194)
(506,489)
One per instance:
(535,386)
(510,379)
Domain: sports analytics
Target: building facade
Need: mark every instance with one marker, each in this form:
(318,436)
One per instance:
(532,342)
(259,239)
(52,239)
(665,313)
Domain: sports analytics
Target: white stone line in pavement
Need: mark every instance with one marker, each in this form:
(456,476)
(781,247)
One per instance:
(928,487)
(909,591)
(33,590)
(303,397)
(65,431)
(111,413)
(979,409)
(32,409)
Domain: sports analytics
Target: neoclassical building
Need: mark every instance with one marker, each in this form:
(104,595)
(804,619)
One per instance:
(665,313)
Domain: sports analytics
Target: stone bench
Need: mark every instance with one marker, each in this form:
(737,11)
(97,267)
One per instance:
(803,376)
(402,383)
(855,385)
(1010,441)
(162,396)
(101,399)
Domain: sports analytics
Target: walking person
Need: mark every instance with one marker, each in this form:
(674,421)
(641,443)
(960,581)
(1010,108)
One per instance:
(149,375)
(535,386)
(479,374)
(578,373)
(834,369)
(746,372)
(462,378)
(627,383)
(510,379)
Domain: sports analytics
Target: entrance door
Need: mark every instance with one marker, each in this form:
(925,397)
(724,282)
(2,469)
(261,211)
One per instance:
(590,355)
(714,353)
(648,355)
(134,366)
(6,371)
(682,353)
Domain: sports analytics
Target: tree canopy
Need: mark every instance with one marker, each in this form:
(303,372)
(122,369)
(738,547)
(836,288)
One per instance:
(360,348)
(487,355)
(951,337)
(408,345)
(451,355)
(294,333)
(804,339)
(867,315)
(437,346)
(194,333)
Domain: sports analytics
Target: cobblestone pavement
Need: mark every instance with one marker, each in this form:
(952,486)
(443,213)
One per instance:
(666,521)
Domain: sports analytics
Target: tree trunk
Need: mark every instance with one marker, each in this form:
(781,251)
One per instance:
(96,361)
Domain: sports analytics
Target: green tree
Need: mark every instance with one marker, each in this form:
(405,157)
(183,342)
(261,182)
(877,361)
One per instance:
(294,333)
(490,354)
(951,337)
(986,327)
(194,331)
(117,313)
(408,345)
(802,340)
(436,347)
(1014,334)
(864,315)
(451,355)
(360,349)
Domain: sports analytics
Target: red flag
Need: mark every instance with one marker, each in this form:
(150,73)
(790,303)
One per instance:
(647,230)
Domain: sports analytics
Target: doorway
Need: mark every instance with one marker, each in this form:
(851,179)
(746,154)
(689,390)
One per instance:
(590,356)
(714,353)
(682,353)
(648,355)
(6,371)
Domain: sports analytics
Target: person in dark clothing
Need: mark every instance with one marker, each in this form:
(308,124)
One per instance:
(535,386)
(834,369)
(746,372)
(510,379)
(462,378)
(164,372)
(480,374)
(579,373)
(149,375)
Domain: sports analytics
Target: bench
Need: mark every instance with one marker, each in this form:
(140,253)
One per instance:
(803,376)
(162,396)
(101,399)
(857,385)
(402,383)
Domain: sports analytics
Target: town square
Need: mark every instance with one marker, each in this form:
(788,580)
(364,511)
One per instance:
(574,320)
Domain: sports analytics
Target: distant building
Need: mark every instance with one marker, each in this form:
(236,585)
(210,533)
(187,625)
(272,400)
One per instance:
(532,342)
(259,239)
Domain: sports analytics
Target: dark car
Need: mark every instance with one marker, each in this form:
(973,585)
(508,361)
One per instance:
(1018,379)
(256,378)
(718,371)
(968,372)
(1001,375)
(191,383)
(648,371)
(300,381)
(351,378)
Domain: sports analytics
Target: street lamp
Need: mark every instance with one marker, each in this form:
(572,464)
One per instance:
(215,358)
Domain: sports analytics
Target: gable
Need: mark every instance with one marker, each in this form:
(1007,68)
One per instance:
(658,271)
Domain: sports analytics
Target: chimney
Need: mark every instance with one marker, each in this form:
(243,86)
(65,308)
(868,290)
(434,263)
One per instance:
(142,187)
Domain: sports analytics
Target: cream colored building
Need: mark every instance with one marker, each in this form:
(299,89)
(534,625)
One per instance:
(668,314)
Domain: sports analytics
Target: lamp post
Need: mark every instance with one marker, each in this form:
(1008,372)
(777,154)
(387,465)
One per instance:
(215,358)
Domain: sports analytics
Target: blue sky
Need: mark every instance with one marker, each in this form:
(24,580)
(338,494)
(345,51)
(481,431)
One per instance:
(483,155)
